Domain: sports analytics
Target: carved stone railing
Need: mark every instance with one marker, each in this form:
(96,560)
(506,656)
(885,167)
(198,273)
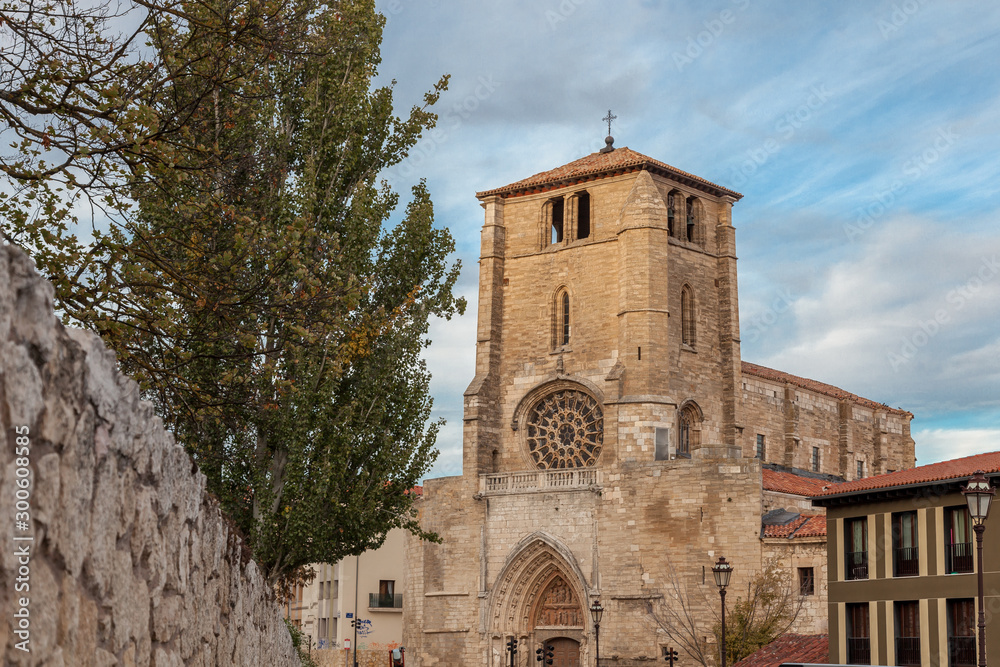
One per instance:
(568,479)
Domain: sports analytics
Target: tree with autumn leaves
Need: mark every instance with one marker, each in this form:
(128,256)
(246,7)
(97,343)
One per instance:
(239,254)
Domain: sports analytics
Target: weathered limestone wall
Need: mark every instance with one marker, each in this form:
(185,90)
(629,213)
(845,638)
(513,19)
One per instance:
(804,552)
(123,558)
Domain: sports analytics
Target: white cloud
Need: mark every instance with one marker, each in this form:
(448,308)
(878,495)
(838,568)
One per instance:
(942,444)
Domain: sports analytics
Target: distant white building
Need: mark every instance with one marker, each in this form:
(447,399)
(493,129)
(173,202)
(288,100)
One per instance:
(323,610)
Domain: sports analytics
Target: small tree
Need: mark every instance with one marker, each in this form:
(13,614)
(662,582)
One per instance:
(769,609)
(771,605)
(678,616)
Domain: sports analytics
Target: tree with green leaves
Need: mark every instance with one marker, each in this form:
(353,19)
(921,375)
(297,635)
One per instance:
(246,268)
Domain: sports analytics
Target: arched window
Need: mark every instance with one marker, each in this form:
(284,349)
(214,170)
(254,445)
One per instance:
(687,317)
(556,220)
(691,229)
(583,215)
(560,319)
(674,201)
(689,433)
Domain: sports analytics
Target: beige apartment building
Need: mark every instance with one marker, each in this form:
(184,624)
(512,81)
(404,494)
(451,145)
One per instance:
(367,587)
(902,571)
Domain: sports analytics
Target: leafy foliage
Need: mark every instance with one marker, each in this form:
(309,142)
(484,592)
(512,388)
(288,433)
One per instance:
(301,644)
(770,607)
(242,262)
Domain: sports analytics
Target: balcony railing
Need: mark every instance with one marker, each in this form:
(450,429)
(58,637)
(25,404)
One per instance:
(908,651)
(859,651)
(377,601)
(962,651)
(958,557)
(539,480)
(856,566)
(907,560)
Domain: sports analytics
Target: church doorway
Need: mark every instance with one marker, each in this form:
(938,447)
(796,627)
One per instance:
(566,652)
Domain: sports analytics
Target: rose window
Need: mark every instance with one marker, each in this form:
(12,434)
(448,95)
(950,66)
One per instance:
(565,430)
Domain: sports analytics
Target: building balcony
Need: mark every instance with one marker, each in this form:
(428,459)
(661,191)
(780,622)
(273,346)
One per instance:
(857,565)
(908,651)
(958,557)
(859,651)
(962,651)
(907,561)
(534,481)
(385,602)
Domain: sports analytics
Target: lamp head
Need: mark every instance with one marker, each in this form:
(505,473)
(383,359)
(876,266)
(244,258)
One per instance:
(979,494)
(722,571)
(596,611)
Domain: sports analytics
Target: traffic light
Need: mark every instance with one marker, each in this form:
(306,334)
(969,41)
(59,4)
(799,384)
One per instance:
(670,655)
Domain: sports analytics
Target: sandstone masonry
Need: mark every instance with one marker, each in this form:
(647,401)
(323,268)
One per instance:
(611,429)
(131,561)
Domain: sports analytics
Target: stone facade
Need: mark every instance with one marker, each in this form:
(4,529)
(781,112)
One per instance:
(125,558)
(608,304)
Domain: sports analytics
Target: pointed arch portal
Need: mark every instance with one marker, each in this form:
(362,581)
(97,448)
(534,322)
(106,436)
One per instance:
(541,596)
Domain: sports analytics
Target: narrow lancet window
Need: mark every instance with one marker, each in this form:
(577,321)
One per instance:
(692,222)
(565,319)
(557,220)
(671,212)
(687,317)
(583,216)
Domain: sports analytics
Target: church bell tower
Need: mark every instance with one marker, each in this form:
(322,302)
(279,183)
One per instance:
(608,326)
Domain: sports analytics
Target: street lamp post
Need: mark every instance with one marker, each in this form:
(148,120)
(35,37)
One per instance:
(979,495)
(722,572)
(596,611)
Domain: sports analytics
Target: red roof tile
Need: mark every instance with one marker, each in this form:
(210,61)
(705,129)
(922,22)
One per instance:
(818,387)
(598,165)
(807,525)
(933,472)
(790,648)
(786,482)
(815,526)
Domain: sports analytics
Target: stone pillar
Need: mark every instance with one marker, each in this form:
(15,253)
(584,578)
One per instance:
(482,401)
(643,246)
(729,326)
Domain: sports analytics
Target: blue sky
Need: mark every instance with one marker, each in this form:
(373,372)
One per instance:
(865,137)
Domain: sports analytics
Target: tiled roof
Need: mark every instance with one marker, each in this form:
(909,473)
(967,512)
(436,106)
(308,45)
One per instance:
(596,165)
(815,526)
(790,648)
(933,472)
(807,525)
(786,482)
(818,387)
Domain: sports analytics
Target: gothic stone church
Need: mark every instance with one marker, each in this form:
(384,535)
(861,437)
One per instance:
(614,440)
